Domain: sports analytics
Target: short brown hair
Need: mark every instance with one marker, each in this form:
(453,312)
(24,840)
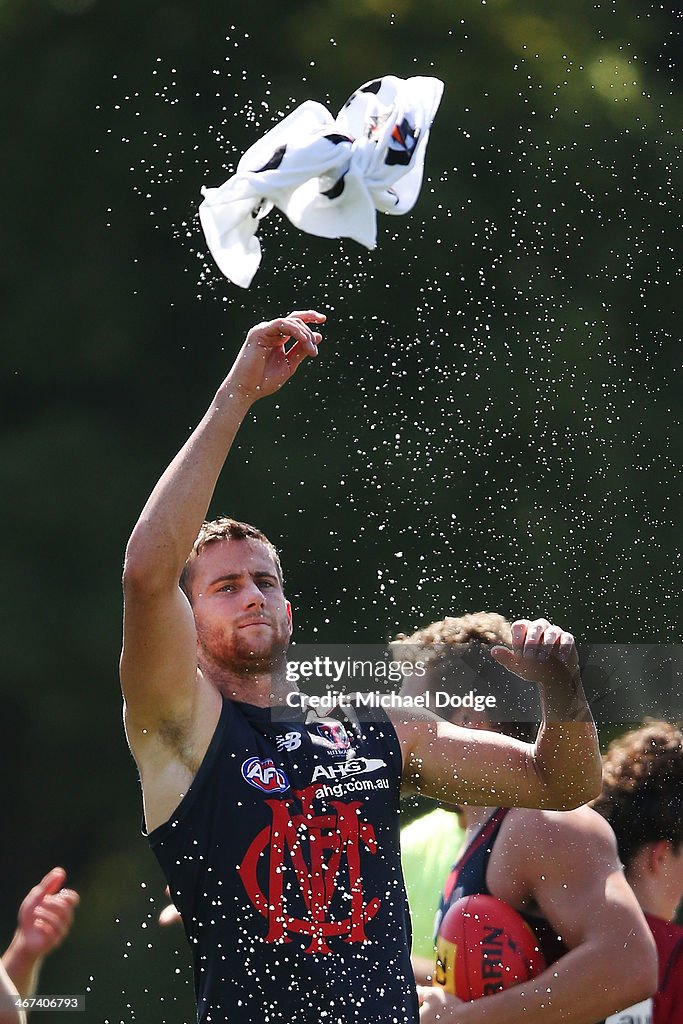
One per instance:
(224,528)
(642,789)
(455,651)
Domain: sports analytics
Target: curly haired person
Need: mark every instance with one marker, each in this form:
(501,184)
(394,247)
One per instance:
(642,798)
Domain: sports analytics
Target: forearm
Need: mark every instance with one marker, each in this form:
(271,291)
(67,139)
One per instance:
(171,519)
(9,1014)
(567,752)
(584,986)
(566,757)
(22,966)
(423,969)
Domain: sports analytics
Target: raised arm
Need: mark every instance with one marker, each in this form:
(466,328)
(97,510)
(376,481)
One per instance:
(561,770)
(158,661)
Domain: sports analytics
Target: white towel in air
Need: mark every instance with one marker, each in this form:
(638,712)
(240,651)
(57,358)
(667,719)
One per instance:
(329,176)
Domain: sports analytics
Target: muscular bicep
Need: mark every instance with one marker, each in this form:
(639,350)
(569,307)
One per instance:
(159,657)
(580,887)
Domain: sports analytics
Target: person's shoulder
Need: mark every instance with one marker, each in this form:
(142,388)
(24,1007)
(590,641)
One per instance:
(542,851)
(560,829)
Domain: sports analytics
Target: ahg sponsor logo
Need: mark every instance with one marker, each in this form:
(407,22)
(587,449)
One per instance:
(356,766)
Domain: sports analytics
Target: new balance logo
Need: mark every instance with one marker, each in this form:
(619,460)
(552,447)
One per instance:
(290,741)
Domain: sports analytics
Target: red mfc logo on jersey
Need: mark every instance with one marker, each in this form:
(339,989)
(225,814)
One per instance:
(332,844)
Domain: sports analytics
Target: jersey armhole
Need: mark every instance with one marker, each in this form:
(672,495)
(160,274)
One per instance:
(159,833)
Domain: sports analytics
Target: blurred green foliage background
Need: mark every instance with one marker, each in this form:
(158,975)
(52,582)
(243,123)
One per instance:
(494,422)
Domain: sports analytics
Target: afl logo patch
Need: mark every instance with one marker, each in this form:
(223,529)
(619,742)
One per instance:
(264,775)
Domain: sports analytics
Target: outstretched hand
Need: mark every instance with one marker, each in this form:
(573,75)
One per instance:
(541,653)
(46,915)
(264,364)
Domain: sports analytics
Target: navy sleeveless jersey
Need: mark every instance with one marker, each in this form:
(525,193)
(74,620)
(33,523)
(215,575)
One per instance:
(468,878)
(283,860)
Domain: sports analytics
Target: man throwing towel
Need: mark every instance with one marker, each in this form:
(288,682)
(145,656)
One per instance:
(285,870)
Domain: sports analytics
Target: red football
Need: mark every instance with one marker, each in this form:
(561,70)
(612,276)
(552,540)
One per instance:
(483,947)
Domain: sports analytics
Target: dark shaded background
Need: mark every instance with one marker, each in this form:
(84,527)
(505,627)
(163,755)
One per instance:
(493,424)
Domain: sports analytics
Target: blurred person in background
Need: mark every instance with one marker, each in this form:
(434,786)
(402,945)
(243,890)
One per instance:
(642,799)
(429,847)
(559,869)
(45,918)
